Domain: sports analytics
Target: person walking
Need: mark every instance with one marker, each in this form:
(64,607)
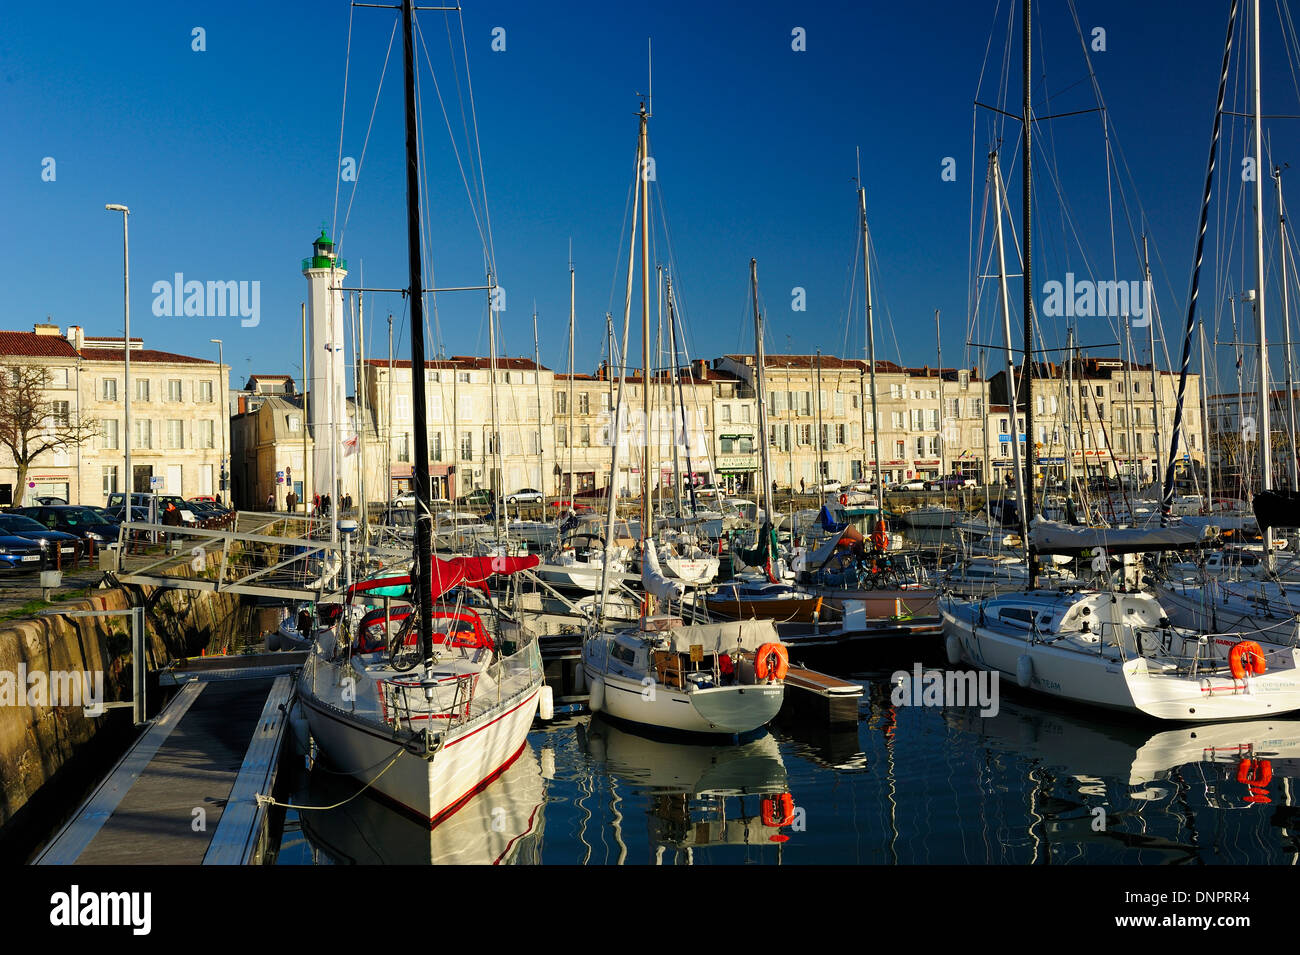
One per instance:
(270,501)
(315,505)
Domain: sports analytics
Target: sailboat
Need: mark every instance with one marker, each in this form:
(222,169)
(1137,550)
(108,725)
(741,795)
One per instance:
(662,674)
(1115,649)
(428,703)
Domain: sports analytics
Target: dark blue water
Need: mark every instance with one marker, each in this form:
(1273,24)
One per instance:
(912,785)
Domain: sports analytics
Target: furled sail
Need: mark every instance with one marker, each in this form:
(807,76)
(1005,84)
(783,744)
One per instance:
(1053,537)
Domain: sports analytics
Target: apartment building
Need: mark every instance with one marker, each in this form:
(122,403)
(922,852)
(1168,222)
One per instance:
(1106,417)
(465,453)
(179,427)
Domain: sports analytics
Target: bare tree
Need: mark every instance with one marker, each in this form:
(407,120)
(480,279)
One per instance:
(31,423)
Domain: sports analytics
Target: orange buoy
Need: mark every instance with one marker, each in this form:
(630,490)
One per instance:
(764,669)
(1255,774)
(844,499)
(770,809)
(1246,656)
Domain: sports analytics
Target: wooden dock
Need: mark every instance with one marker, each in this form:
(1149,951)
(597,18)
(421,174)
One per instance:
(185,792)
(810,693)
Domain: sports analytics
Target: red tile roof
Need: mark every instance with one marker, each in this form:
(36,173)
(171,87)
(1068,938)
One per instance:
(143,354)
(462,363)
(31,345)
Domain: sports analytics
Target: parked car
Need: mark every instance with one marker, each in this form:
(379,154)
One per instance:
(405,499)
(481,497)
(526,495)
(19,554)
(950,482)
(50,500)
(915,484)
(58,548)
(86,524)
(828,487)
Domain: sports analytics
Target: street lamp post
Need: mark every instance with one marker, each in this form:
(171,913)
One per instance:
(126,356)
(225,415)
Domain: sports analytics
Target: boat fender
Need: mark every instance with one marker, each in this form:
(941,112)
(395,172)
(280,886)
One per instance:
(596,699)
(1246,656)
(546,703)
(953,646)
(299,728)
(1024,670)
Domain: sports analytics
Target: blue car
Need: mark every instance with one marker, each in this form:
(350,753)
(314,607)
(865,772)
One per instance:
(60,550)
(18,554)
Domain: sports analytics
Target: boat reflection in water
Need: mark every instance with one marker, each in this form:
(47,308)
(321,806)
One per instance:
(500,825)
(1097,782)
(699,796)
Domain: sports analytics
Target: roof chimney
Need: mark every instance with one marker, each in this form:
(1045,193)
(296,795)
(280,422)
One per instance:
(45,328)
(76,336)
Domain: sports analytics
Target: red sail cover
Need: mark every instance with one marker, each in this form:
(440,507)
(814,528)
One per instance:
(447,574)
(475,571)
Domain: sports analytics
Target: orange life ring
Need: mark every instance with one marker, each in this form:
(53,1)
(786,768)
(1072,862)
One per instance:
(770,804)
(777,672)
(1245,656)
(844,499)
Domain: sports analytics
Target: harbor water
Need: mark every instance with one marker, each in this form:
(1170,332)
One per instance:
(1034,783)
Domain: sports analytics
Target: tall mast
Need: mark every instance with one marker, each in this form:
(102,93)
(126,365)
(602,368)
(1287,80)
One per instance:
(821,437)
(681,403)
(420,571)
(388,417)
(307,492)
(1151,333)
(996,173)
(1205,422)
(1265,432)
(760,358)
(1069,414)
(647,505)
(1286,333)
(1027,500)
(497,481)
(1168,493)
(537,379)
(614,436)
(938,354)
(363,416)
(871,346)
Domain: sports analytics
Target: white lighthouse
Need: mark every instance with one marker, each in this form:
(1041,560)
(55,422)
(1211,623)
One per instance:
(327,380)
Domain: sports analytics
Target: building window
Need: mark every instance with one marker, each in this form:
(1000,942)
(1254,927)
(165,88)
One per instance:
(109,434)
(208,434)
(175,433)
(59,413)
(109,392)
(724,415)
(584,403)
(109,473)
(467,446)
(142,389)
(404,447)
(561,402)
(463,377)
(143,433)
(294,423)
(174,389)
(205,391)
(58,377)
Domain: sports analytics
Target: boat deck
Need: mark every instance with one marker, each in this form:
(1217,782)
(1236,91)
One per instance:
(185,792)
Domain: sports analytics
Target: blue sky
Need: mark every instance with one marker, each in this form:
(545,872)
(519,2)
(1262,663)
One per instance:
(228,159)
